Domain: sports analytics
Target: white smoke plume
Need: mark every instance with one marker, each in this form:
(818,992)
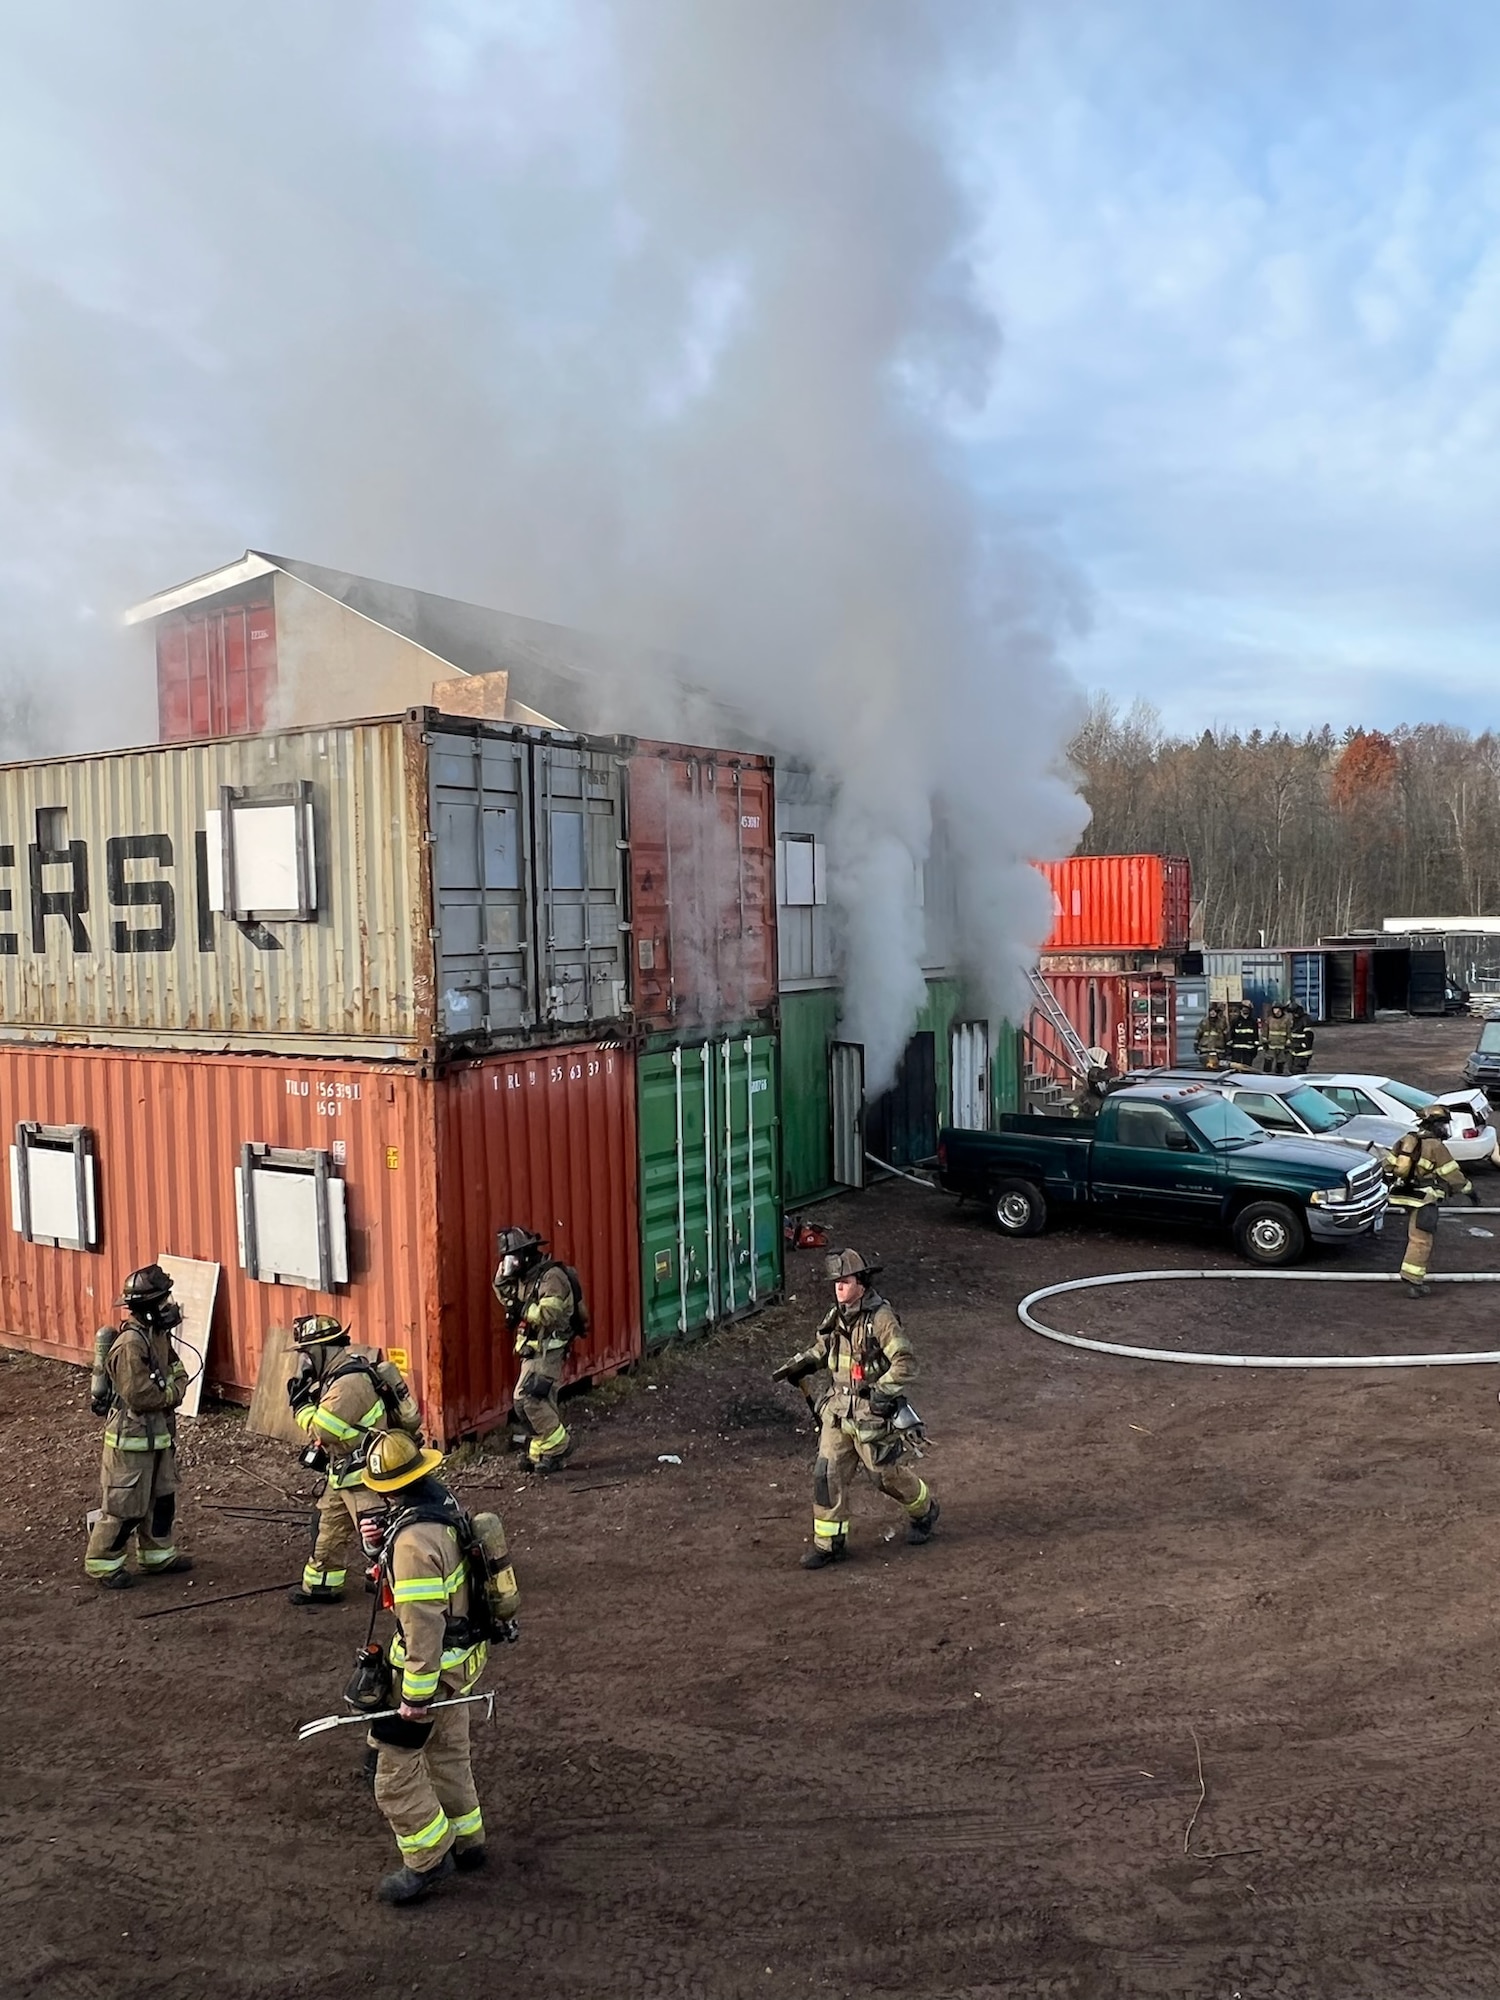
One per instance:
(649,316)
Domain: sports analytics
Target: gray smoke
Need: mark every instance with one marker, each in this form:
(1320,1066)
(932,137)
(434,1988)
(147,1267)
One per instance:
(653,317)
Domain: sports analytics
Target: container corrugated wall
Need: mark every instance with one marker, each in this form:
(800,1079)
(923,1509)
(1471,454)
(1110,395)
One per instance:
(1119,902)
(543,1141)
(702,887)
(1131,1017)
(109,936)
(167,1134)
(430,1166)
(809,1022)
(710,1182)
(1309,985)
(216,667)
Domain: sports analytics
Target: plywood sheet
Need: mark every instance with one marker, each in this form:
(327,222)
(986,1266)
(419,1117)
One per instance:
(195,1286)
(269,1414)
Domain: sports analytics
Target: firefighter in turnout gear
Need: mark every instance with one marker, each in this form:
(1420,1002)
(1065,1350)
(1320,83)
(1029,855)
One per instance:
(1423,1173)
(1243,1044)
(424,1781)
(342,1401)
(1276,1037)
(137,1383)
(543,1307)
(1300,1046)
(870,1362)
(1212,1038)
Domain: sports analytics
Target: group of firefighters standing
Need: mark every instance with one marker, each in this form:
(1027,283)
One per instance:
(444,1577)
(1278,1043)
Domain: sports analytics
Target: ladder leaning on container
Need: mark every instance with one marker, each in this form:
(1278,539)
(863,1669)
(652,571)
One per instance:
(1046,1005)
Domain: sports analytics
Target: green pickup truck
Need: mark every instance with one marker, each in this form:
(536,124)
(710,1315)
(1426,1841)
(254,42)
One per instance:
(1168,1153)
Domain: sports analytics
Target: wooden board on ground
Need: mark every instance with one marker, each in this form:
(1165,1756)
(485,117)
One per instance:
(269,1415)
(195,1286)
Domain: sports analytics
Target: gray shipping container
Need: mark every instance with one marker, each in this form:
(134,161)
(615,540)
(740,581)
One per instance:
(1260,977)
(383,889)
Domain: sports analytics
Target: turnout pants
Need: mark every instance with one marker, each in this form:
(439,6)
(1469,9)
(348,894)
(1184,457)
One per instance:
(536,1399)
(1421,1227)
(428,1795)
(137,1497)
(840,1455)
(339,1509)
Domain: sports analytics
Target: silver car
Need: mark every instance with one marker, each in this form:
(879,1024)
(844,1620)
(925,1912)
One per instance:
(1289,1107)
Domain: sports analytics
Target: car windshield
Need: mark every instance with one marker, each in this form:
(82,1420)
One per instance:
(1221,1122)
(1414,1100)
(1317,1112)
(1489,1039)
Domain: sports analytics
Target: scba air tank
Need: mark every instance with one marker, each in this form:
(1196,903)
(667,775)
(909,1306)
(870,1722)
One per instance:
(101,1389)
(501,1594)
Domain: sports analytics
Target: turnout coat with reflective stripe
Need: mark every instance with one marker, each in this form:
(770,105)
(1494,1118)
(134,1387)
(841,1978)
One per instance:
(429,1586)
(349,1410)
(1422,1170)
(139,1363)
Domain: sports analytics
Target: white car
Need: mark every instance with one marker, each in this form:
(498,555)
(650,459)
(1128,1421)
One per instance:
(1471,1136)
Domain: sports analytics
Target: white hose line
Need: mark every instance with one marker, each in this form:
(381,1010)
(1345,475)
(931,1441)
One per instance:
(1028,1319)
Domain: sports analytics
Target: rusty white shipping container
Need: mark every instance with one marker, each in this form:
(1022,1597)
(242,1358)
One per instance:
(396,889)
(368,1190)
(388,889)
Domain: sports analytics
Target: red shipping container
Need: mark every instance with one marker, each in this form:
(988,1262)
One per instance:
(428,1166)
(1119,902)
(702,887)
(1132,1017)
(216,669)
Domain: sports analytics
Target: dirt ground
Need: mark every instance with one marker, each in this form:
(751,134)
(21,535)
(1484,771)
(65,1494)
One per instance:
(970,1769)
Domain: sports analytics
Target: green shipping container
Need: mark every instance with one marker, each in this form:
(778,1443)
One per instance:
(809,1022)
(710,1194)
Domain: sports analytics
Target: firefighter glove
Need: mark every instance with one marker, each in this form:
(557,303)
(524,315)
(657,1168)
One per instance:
(883,1403)
(314,1458)
(100,1404)
(508,1631)
(795,1369)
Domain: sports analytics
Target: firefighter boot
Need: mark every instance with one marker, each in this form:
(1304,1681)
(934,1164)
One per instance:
(921,1529)
(1417,1288)
(467,1859)
(819,1558)
(407,1886)
(173,1568)
(120,1579)
(314,1593)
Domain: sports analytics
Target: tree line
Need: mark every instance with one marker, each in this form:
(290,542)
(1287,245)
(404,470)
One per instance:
(1300,837)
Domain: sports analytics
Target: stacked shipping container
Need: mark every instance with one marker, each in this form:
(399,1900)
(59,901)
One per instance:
(1120,923)
(336,1003)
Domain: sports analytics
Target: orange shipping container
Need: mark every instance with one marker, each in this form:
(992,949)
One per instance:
(375,1190)
(1130,1016)
(702,887)
(1119,902)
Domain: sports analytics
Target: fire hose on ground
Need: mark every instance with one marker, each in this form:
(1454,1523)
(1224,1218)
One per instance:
(1028,1318)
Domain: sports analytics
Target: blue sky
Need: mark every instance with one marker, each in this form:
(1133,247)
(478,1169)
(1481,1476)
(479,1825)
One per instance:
(1244,260)
(1247,260)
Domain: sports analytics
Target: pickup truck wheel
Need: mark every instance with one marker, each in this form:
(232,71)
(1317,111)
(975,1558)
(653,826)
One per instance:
(1020,1208)
(1268,1232)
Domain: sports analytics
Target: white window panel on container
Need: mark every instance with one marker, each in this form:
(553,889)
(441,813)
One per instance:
(262,856)
(803,870)
(53,1196)
(293,1224)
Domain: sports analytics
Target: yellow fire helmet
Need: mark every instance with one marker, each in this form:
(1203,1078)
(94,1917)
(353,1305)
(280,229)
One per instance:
(397,1460)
